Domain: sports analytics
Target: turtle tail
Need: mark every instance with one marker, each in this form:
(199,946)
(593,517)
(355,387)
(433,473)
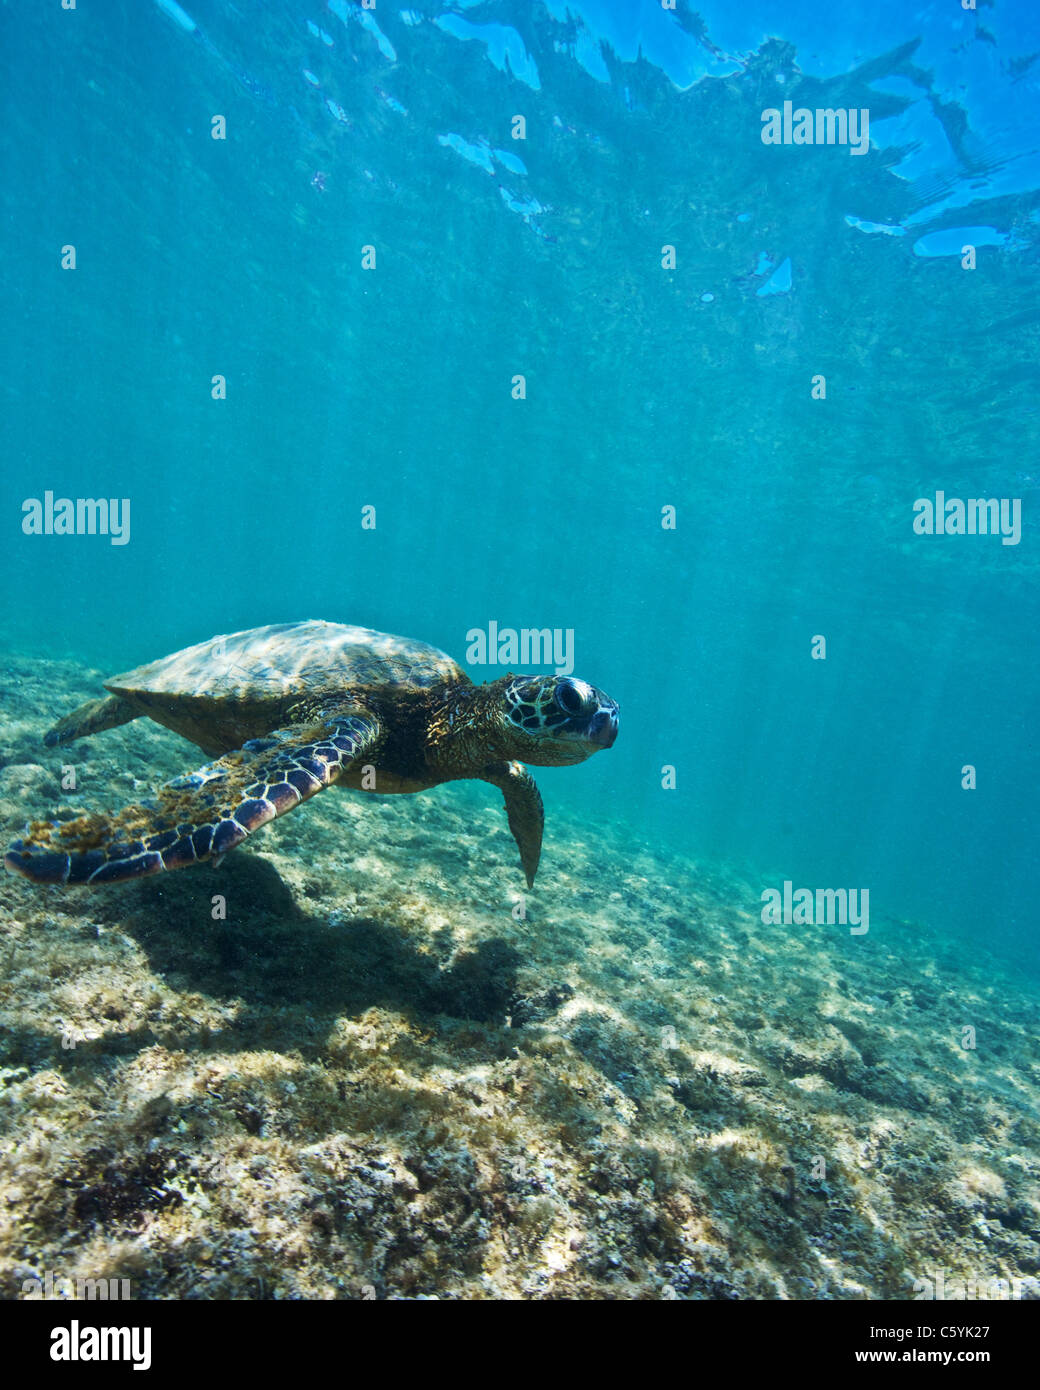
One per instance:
(95,715)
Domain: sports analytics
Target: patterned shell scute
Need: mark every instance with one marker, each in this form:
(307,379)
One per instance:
(286,658)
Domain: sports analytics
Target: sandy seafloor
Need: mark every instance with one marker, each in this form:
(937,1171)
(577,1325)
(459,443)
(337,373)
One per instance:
(370,1080)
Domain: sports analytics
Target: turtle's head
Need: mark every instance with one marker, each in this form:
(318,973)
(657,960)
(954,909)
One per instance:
(555,720)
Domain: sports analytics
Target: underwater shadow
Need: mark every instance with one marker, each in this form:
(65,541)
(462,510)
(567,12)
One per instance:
(291,974)
(275,958)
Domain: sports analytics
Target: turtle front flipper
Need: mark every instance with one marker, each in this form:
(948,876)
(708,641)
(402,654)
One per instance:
(201,815)
(524,810)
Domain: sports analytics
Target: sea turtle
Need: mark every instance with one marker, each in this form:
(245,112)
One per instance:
(296,707)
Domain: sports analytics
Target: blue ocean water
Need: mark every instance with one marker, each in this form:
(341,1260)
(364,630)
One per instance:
(368,293)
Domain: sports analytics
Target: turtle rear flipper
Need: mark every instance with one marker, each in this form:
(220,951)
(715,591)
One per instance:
(201,815)
(107,713)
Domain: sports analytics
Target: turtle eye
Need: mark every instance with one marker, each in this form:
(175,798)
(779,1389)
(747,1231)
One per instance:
(569,697)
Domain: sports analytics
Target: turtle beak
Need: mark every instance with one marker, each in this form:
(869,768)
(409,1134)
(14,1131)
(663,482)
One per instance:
(603,727)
